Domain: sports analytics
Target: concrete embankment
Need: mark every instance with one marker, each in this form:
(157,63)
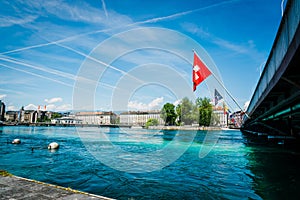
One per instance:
(14,187)
(194,128)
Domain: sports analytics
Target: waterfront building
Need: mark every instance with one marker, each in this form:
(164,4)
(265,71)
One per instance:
(97,118)
(235,119)
(66,120)
(27,116)
(44,115)
(221,116)
(11,116)
(30,116)
(2,111)
(140,117)
(21,114)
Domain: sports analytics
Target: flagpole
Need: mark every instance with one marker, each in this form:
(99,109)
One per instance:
(222,86)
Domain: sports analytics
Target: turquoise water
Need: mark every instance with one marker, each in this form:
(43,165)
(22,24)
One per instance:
(231,170)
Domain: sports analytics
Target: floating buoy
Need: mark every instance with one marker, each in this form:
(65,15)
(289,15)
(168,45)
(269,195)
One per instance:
(16,141)
(53,145)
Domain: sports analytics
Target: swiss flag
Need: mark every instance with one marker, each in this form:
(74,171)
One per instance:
(200,71)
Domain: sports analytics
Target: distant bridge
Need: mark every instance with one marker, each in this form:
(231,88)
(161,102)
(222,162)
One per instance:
(274,109)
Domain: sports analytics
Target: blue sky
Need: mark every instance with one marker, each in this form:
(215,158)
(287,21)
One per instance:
(130,54)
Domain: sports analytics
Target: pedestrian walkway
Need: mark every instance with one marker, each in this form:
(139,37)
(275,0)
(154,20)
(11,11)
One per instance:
(17,188)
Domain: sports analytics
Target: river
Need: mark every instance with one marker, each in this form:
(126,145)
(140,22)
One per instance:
(124,163)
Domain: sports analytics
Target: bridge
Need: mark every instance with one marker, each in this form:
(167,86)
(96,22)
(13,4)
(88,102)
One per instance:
(274,109)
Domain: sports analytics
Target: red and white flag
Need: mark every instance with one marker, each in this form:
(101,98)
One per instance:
(200,71)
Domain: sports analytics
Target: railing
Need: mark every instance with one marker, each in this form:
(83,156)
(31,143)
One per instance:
(284,37)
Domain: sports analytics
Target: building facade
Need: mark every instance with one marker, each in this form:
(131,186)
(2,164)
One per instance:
(11,116)
(30,116)
(139,118)
(97,118)
(2,111)
(221,117)
(67,121)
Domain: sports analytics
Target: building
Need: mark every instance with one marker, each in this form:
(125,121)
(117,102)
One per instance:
(66,120)
(27,116)
(221,117)
(11,116)
(21,114)
(44,115)
(96,118)
(30,116)
(2,111)
(235,119)
(139,117)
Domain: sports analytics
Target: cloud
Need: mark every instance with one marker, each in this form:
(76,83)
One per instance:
(30,107)
(2,96)
(12,108)
(54,100)
(246,105)
(35,74)
(180,14)
(154,104)
(64,107)
(10,21)
(49,107)
(177,102)
(194,29)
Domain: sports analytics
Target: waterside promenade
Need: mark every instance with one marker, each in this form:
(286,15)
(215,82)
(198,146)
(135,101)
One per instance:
(186,127)
(14,187)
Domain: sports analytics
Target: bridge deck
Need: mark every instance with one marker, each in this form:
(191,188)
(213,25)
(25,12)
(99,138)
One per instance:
(275,104)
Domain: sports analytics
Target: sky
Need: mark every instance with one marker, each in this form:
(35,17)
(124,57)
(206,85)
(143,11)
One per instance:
(113,55)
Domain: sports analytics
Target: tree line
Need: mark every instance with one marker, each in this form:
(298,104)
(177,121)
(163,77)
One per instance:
(187,113)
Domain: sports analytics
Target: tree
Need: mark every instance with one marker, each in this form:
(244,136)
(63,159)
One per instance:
(205,111)
(56,115)
(151,122)
(178,112)
(186,111)
(168,114)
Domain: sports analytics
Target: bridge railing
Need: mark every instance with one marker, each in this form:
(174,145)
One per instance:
(284,37)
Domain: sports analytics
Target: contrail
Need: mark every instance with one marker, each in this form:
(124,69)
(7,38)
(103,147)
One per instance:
(104,8)
(153,20)
(100,62)
(50,71)
(37,75)
(47,70)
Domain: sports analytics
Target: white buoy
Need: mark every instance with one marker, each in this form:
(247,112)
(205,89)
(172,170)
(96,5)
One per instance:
(16,141)
(53,145)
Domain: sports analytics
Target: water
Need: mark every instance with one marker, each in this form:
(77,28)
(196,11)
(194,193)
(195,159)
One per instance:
(232,170)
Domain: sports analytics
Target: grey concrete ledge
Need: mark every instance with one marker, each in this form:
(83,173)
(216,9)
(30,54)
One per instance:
(17,188)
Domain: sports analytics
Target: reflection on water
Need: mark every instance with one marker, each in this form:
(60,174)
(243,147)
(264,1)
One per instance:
(232,170)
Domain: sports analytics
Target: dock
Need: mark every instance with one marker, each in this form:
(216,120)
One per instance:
(14,187)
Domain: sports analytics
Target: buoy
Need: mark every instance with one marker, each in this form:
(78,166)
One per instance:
(16,141)
(53,145)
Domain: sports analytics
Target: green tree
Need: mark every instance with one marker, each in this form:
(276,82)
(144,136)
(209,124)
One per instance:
(215,120)
(188,111)
(178,112)
(56,115)
(205,111)
(168,114)
(151,122)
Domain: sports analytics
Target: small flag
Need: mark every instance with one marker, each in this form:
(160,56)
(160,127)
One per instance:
(200,71)
(218,97)
(225,109)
